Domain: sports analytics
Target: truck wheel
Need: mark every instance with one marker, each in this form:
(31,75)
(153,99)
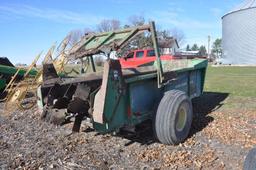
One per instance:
(173,118)
(250,160)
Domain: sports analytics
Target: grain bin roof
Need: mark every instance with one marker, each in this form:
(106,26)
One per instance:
(247,4)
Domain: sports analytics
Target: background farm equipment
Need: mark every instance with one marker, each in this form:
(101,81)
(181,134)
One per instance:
(10,74)
(17,91)
(21,90)
(118,98)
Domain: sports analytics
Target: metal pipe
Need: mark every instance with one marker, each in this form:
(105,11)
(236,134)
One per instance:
(159,63)
(139,28)
(92,63)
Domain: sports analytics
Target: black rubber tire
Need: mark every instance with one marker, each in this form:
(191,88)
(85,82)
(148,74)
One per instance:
(250,160)
(166,118)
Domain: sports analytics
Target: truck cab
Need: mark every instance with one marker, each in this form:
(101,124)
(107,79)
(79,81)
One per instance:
(138,58)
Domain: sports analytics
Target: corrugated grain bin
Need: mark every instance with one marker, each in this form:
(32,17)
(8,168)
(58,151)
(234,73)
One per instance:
(239,35)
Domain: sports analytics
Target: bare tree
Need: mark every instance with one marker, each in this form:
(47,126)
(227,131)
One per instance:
(75,36)
(136,20)
(164,34)
(115,24)
(87,31)
(178,35)
(108,25)
(142,40)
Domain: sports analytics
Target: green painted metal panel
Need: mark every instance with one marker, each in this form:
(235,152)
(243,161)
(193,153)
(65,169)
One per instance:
(141,77)
(2,84)
(134,102)
(115,105)
(105,39)
(12,70)
(98,42)
(190,66)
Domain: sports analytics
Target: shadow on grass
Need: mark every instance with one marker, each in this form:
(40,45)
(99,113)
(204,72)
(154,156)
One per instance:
(202,106)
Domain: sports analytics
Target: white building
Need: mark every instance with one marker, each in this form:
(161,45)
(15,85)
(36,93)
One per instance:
(169,46)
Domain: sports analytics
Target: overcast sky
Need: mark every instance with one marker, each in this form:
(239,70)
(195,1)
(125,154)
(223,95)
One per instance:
(30,26)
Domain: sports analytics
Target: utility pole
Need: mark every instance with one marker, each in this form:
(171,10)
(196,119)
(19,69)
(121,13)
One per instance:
(209,42)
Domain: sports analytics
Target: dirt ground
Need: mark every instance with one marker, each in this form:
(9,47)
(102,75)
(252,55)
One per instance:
(220,138)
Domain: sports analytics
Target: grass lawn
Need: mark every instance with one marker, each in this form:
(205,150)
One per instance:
(237,81)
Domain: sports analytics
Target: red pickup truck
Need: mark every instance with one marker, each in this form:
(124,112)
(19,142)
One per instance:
(137,58)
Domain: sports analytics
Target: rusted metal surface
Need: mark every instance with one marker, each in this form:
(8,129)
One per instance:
(99,100)
(70,94)
(159,64)
(99,96)
(48,57)
(80,105)
(49,72)
(96,43)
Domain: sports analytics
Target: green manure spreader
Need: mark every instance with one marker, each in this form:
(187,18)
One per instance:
(114,98)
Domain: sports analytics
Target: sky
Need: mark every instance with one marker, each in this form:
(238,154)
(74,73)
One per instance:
(28,27)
